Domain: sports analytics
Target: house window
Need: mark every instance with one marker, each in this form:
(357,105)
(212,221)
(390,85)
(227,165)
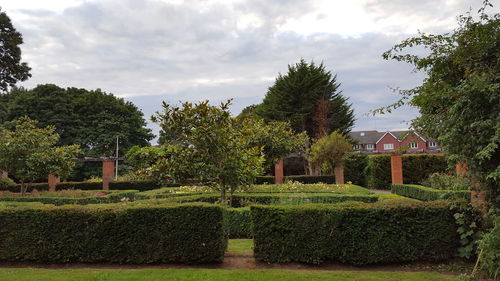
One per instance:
(356,147)
(413,145)
(388,146)
(369,146)
(432,144)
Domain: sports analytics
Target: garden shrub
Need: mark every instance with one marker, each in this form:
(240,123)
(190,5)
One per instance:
(111,233)
(246,199)
(264,180)
(93,185)
(238,223)
(355,233)
(489,250)
(110,197)
(418,167)
(311,179)
(378,171)
(428,194)
(5,183)
(355,169)
(447,182)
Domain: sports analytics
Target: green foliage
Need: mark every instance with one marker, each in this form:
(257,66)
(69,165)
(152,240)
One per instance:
(447,182)
(296,97)
(295,186)
(135,233)
(238,223)
(489,250)
(355,233)
(28,153)
(309,179)
(378,172)
(96,197)
(355,169)
(114,185)
(458,100)
(330,150)
(417,167)
(5,183)
(90,118)
(12,70)
(428,194)
(209,146)
(276,138)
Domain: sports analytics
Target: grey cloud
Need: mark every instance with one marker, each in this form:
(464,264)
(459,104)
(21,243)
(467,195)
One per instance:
(149,51)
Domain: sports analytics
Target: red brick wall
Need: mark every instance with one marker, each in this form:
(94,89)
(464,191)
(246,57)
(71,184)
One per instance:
(388,138)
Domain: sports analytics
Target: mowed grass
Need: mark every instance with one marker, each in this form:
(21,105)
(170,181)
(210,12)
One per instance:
(240,246)
(30,274)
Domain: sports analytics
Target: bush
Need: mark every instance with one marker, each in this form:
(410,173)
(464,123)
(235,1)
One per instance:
(264,180)
(238,223)
(114,185)
(355,233)
(489,255)
(311,179)
(447,182)
(134,233)
(5,183)
(378,171)
(428,194)
(355,169)
(418,167)
(112,197)
(246,199)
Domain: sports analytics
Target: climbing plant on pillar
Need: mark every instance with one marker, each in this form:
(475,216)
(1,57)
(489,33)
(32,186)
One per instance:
(28,152)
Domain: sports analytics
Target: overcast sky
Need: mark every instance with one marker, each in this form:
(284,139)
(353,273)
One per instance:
(147,51)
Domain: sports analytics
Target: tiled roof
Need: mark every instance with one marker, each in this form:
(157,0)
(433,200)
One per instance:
(366,136)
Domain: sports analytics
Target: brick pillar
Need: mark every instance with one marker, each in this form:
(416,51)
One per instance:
(339,174)
(461,168)
(108,173)
(3,174)
(278,172)
(53,181)
(397,168)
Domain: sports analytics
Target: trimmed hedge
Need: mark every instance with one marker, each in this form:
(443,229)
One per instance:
(246,199)
(114,185)
(300,178)
(136,233)
(264,180)
(113,197)
(355,169)
(355,233)
(238,222)
(428,194)
(416,168)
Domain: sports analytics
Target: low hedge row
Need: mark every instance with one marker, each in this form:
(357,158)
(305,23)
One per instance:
(136,233)
(355,233)
(113,197)
(299,178)
(428,194)
(246,199)
(238,222)
(114,185)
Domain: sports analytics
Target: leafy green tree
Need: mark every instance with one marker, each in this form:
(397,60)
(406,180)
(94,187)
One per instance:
(12,69)
(331,150)
(209,147)
(276,138)
(91,119)
(307,97)
(29,153)
(459,100)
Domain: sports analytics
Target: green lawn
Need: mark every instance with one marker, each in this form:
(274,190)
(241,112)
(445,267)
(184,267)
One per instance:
(240,246)
(29,274)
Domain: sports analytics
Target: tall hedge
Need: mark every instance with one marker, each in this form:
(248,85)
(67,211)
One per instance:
(378,171)
(355,169)
(112,197)
(137,233)
(238,222)
(428,194)
(355,233)
(114,185)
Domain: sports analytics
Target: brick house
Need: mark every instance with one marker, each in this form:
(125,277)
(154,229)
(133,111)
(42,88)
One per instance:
(386,142)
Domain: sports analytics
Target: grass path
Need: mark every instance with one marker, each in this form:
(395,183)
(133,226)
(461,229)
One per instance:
(30,274)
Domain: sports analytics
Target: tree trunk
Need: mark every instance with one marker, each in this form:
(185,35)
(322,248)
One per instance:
(223,197)
(23,188)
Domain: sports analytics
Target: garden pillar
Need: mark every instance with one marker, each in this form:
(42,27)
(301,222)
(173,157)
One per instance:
(108,173)
(53,181)
(339,174)
(278,172)
(397,168)
(3,174)
(461,168)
